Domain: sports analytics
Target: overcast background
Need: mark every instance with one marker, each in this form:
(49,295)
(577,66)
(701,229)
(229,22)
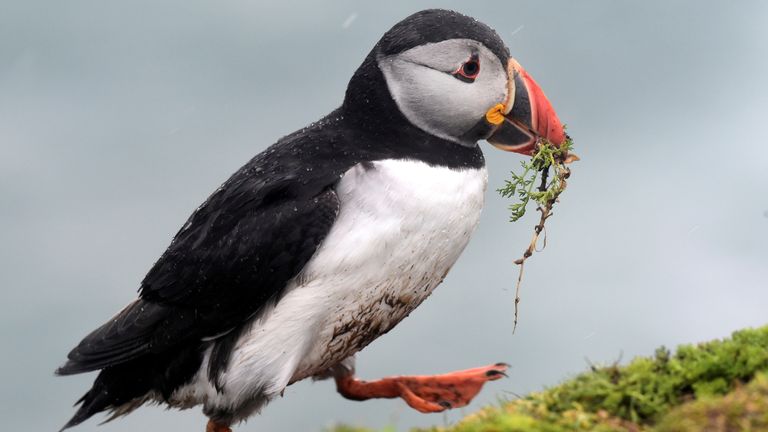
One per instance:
(118,119)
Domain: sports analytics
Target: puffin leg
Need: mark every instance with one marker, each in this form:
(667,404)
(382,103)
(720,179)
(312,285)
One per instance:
(217,427)
(424,393)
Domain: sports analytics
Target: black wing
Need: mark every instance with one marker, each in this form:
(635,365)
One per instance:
(233,256)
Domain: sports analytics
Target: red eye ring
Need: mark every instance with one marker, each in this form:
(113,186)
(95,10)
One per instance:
(469,70)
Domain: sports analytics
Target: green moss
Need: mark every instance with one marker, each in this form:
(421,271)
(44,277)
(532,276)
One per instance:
(347,428)
(668,391)
(744,409)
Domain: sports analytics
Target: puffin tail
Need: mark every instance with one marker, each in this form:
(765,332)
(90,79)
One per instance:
(94,401)
(119,389)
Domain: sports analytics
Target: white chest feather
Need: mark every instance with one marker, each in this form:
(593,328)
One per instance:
(401,226)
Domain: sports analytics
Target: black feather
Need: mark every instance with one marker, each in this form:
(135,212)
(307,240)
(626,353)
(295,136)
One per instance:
(132,380)
(124,337)
(435,25)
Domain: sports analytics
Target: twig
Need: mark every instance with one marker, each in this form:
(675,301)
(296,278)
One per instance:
(544,177)
(562,173)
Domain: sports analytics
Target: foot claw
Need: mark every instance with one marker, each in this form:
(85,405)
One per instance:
(494,373)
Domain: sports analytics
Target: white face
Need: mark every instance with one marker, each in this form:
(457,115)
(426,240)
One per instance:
(423,83)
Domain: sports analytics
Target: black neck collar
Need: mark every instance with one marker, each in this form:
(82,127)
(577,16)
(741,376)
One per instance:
(371,111)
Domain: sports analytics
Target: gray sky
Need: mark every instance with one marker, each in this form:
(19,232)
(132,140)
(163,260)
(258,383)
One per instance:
(118,119)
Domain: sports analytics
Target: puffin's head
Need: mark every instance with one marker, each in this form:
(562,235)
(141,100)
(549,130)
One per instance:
(453,77)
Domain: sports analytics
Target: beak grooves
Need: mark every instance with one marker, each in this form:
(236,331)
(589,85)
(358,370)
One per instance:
(528,115)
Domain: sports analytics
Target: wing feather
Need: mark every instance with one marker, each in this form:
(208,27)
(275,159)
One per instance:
(235,254)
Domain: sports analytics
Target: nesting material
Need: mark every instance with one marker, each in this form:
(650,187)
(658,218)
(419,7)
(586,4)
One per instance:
(548,168)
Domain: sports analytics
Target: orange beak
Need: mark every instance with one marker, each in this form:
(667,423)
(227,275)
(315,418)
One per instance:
(529,115)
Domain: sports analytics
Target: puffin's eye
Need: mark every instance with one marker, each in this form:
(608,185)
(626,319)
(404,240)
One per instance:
(468,71)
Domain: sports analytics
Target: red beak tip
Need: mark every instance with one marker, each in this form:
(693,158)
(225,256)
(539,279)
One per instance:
(545,120)
(550,126)
(556,135)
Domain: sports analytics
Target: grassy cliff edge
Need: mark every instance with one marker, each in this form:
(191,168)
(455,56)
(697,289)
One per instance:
(720,385)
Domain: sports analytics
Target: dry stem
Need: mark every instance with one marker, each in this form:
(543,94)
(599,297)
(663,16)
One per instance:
(562,172)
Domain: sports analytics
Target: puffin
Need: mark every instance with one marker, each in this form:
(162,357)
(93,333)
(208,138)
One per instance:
(327,239)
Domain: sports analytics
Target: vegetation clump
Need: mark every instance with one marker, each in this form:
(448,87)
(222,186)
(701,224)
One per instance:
(743,409)
(523,186)
(715,386)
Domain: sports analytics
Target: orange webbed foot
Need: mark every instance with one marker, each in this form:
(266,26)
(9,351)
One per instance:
(424,393)
(216,427)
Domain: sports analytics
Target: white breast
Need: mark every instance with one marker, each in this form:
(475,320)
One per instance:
(401,226)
